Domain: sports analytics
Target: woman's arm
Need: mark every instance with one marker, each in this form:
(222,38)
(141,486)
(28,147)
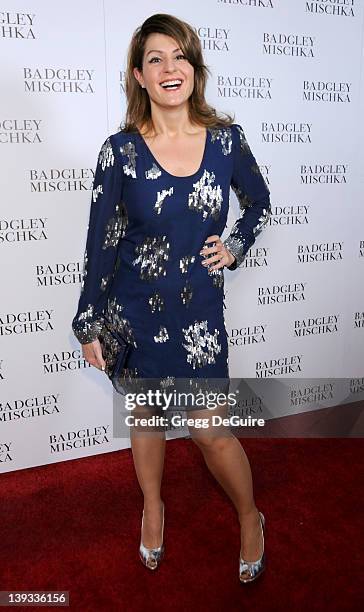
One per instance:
(253,196)
(106,227)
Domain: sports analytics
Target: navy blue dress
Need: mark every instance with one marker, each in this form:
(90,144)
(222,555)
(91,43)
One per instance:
(142,268)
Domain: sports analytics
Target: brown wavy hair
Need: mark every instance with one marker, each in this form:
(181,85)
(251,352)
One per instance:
(138,104)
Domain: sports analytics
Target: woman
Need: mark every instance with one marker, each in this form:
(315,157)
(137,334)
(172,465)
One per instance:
(153,268)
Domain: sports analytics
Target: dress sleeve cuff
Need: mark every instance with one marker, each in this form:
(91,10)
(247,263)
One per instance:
(236,247)
(86,327)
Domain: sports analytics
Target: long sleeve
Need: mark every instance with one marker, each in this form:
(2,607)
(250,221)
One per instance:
(105,228)
(253,196)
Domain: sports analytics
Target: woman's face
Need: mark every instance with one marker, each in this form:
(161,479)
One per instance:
(163,61)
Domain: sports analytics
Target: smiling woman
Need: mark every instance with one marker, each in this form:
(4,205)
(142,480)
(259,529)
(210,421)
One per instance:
(151,309)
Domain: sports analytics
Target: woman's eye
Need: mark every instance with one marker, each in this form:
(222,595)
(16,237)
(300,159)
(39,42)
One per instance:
(158,58)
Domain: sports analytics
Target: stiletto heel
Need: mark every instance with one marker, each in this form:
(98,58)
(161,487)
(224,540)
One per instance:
(151,557)
(250,570)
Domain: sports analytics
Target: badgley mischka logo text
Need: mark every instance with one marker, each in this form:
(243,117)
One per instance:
(17,25)
(333,8)
(58,80)
(23,230)
(29,322)
(20,131)
(49,275)
(60,180)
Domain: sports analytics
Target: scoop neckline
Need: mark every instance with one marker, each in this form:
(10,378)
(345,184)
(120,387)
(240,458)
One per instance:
(174,176)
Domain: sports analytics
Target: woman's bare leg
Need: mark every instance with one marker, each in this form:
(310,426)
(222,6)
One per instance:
(148,450)
(229,464)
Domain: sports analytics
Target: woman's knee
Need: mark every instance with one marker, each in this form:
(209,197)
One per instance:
(214,443)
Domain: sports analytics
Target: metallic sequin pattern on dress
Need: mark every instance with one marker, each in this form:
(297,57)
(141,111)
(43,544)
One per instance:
(153,173)
(186,293)
(96,192)
(156,302)
(116,226)
(105,281)
(255,168)
(244,146)
(128,150)
(167,381)
(218,277)
(236,244)
(185,262)
(224,135)
(106,157)
(243,198)
(161,196)
(205,197)
(262,221)
(162,335)
(201,345)
(84,270)
(117,322)
(86,326)
(152,255)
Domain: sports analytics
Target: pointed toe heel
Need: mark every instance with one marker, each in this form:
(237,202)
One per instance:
(152,557)
(250,570)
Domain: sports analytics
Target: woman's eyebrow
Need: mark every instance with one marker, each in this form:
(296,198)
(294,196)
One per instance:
(158,51)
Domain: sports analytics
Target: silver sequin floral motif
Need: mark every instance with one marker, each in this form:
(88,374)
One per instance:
(201,345)
(156,302)
(87,326)
(162,335)
(105,281)
(255,168)
(167,381)
(185,262)
(115,328)
(106,156)
(186,293)
(243,198)
(153,173)
(96,192)
(116,226)
(152,255)
(224,135)
(262,221)
(236,244)
(218,277)
(84,270)
(161,196)
(128,150)
(205,197)
(244,146)
(117,323)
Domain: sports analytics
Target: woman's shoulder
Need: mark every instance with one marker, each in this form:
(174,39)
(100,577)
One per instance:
(227,135)
(122,135)
(231,131)
(118,143)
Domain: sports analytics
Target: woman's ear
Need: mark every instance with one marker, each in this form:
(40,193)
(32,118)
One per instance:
(138,76)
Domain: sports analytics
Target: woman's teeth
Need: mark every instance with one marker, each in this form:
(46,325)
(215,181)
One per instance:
(171,84)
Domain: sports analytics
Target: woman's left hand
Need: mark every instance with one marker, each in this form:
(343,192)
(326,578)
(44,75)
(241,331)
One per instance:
(217,253)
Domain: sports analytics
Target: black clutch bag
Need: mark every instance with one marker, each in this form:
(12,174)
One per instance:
(115,350)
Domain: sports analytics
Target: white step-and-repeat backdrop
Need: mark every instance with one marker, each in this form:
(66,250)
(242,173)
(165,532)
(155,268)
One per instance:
(292,72)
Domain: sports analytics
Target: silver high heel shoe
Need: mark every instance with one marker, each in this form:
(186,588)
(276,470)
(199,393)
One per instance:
(151,557)
(250,570)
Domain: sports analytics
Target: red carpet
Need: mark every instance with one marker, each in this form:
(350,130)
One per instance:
(75,526)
